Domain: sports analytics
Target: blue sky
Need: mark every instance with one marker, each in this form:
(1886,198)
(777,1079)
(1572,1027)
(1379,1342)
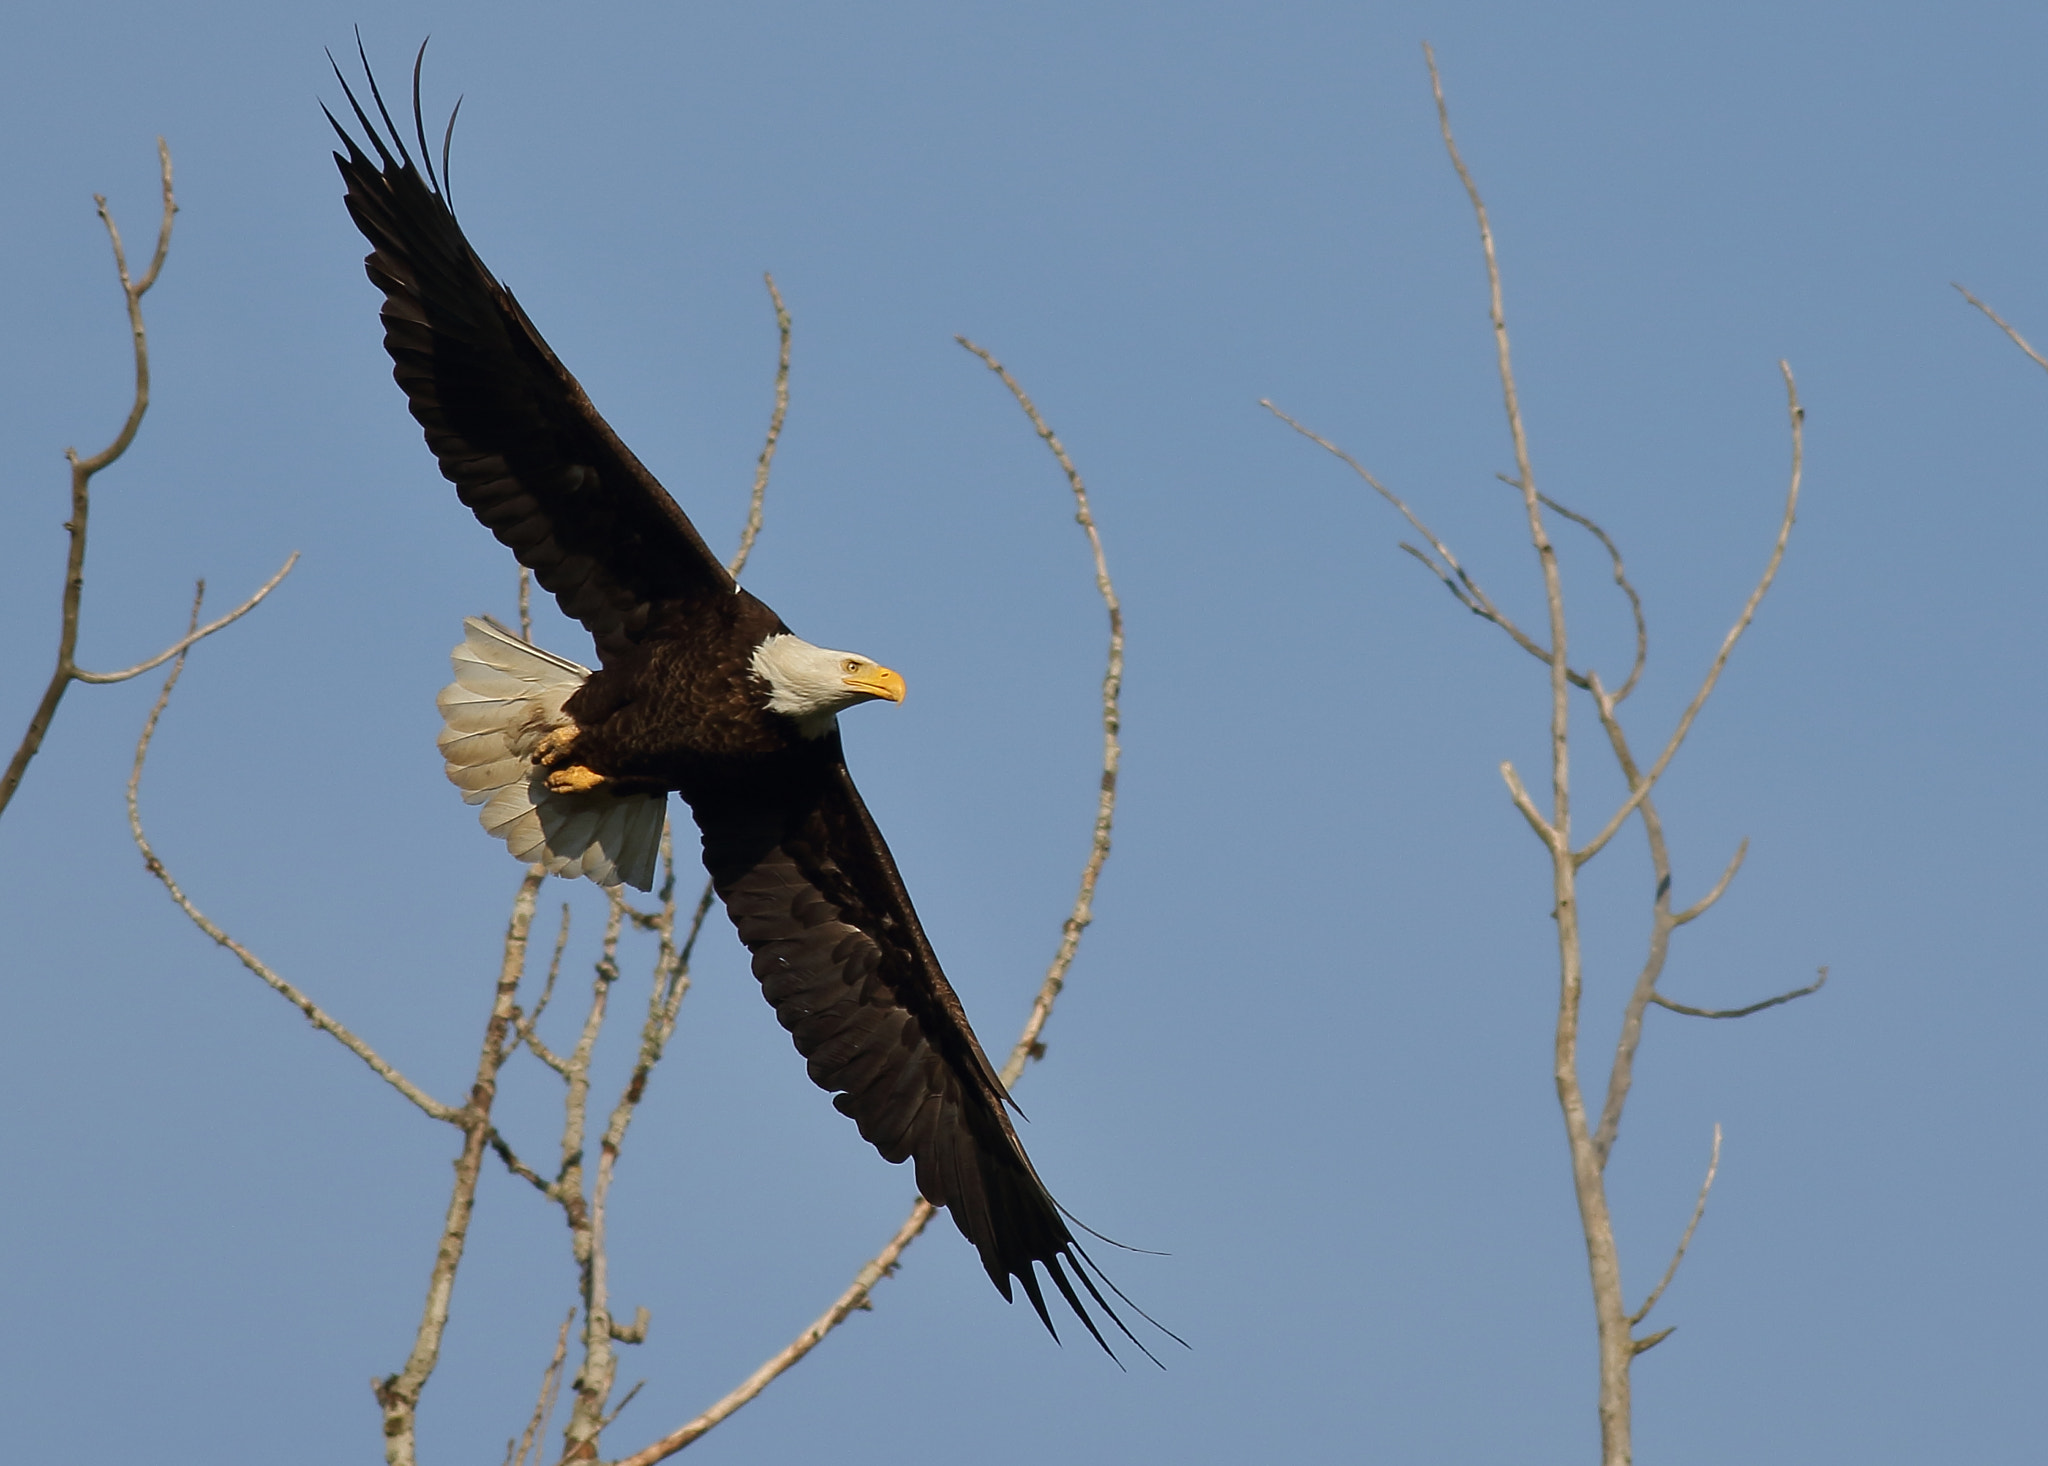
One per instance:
(1306,1047)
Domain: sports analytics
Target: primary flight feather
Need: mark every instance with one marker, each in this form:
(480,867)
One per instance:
(702,690)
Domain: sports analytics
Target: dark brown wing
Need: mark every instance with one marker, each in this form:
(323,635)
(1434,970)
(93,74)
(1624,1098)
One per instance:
(816,897)
(512,429)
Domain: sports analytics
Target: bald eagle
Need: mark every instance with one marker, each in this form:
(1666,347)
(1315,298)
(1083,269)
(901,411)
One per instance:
(700,689)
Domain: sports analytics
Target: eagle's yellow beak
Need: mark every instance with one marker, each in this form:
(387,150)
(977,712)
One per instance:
(878,682)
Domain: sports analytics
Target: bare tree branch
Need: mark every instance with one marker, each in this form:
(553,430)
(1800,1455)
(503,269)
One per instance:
(1596,1222)
(1797,415)
(550,1382)
(1455,578)
(1699,1210)
(133,290)
(1700,907)
(1621,1074)
(200,634)
(1527,806)
(593,1382)
(1813,987)
(82,470)
(752,529)
(519,1168)
(1028,1045)
(1590,1145)
(67,670)
(314,1014)
(1999,321)
(855,1297)
(398,1395)
(523,1024)
(1635,602)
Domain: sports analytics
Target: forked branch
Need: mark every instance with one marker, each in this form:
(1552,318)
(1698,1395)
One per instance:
(67,670)
(1590,1144)
(1797,417)
(196,635)
(1450,572)
(315,1015)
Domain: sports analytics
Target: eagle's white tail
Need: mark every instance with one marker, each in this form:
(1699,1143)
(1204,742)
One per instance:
(506,697)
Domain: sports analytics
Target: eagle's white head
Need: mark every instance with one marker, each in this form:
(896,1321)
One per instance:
(813,684)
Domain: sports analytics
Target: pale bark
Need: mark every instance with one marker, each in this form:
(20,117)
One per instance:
(1590,1143)
(71,602)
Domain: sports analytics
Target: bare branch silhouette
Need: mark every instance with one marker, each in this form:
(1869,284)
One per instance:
(1699,1209)
(751,531)
(1999,321)
(1797,415)
(1813,987)
(67,670)
(550,1382)
(314,1013)
(1591,1143)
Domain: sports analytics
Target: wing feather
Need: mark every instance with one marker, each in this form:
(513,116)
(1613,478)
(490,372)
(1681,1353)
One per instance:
(512,429)
(839,952)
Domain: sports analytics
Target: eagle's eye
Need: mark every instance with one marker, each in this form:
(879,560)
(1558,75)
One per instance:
(853,664)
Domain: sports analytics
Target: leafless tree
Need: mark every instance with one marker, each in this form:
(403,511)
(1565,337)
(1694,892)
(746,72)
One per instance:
(1590,1139)
(67,670)
(592,1136)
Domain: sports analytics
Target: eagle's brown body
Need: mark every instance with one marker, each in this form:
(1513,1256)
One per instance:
(671,711)
(676,705)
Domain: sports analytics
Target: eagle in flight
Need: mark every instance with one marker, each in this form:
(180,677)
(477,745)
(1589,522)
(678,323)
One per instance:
(701,689)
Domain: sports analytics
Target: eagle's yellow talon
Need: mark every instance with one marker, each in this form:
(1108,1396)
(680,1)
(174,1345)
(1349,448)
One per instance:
(556,746)
(575,779)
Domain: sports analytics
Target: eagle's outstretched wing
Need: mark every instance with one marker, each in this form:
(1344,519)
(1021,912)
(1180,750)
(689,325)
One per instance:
(511,427)
(839,951)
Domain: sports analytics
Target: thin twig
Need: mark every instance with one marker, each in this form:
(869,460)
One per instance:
(1028,1045)
(1525,473)
(1455,578)
(752,530)
(79,674)
(82,470)
(550,1382)
(1699,1210)
(1635,602)
(1797,415)
(1700,907)
(620,1408)
(1813,987)
(314,1013)
(1999,321)
(523,1028)
(853,1299)
(1520,795)
(518,1167)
